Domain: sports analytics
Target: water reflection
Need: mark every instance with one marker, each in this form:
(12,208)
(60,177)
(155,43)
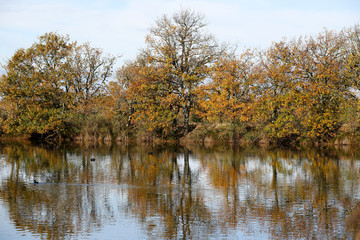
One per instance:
(181,193)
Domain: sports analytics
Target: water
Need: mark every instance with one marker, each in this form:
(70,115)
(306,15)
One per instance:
(159,192)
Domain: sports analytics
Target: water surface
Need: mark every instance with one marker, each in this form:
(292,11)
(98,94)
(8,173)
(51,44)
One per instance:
(173,192)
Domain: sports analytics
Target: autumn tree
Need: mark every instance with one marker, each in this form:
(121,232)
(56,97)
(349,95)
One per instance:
(351,72)
(225,102)
(119,107)
(90,70)
(320,63)
(305,88)
(228,95)
(44,84)
(277,98)
(33,86)
(184,51)
(352,67)
(145,100)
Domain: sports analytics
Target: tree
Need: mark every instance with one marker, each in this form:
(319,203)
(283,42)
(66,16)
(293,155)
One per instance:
(352,67)
(181,48)
(90,70)
(146,100)
(352,74)
(278,102)
(306,88)
(320,62)
(46,82)
(228,95)
(33,85)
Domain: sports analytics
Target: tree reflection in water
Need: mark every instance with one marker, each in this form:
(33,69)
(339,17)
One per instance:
(182,193)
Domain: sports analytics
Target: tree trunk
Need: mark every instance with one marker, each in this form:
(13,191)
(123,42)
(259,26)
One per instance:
(186,113)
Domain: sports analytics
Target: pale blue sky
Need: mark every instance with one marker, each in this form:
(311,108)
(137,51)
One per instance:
(119,27)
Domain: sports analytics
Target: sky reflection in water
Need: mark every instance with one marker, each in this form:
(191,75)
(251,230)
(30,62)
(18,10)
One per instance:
(137,192)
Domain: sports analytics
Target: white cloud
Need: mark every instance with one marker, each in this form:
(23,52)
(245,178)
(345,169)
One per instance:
(119,27)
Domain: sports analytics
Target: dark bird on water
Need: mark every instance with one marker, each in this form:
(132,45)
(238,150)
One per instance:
(35,182)
(92,159)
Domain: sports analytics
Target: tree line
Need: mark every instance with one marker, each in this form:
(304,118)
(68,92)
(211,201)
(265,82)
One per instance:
(184,83)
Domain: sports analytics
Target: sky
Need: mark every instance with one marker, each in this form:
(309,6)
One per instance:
(119,27)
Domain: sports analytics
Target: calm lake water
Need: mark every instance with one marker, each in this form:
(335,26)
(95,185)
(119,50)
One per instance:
(159,192)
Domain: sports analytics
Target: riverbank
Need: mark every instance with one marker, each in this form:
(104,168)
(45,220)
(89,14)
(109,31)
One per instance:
(202,134)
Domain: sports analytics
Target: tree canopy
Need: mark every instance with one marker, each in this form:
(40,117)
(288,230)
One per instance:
(47,83)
